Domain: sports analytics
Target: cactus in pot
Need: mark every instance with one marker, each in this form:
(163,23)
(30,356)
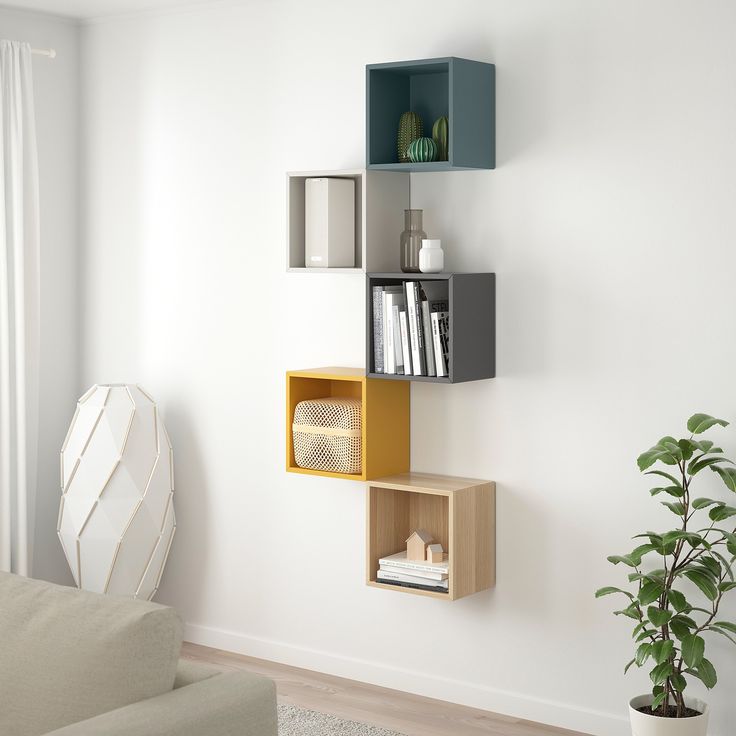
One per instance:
(440,132)
(410,128)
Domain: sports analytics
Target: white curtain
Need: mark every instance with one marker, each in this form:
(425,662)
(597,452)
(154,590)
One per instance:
(19,307)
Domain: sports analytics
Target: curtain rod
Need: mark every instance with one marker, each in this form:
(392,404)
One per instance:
(51,53)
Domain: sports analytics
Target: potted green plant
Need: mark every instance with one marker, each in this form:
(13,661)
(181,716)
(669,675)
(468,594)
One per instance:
(677,580)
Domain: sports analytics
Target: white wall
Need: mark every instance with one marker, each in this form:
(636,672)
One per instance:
(610,224)
(57,106)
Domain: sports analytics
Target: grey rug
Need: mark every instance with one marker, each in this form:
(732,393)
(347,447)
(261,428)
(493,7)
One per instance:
(295,721)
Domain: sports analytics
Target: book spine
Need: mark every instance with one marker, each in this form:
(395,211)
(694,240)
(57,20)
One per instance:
(417,352)
(406,349)
(378,329)
(444,325)
(438,356)
(398,350)
(389,356)
(427,332)
(421,351)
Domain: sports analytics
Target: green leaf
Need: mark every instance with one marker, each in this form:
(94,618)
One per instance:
(662,650)
(642,654)
(646,634)
(610,589)
(615,559)
(657,616)
(698,423)
(706,672)
(676,491)
(679,628)
(678,600)
(649,593)
(628,666)
(719,513)
(658,700)
(661,672)
(652,455)
(662,474)
(637,553)
(631,611)
(670,445)
(704,446)
(699,464)
(693,650)
(728,476)
(675,507)
(701,503)
(725,587)
(711,564)
(687,448)
(705,584)
(678,682)
(725,625)
(722,633)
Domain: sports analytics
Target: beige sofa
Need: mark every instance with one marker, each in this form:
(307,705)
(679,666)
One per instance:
(74,663)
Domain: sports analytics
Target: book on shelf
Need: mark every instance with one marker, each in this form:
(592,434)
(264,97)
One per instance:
(378,329)
(428,343)
(389,293)
(384,576)
(398,347)
(440,328)
(399,560)
(413,308)
(425,574)
(416,586)
(405,347)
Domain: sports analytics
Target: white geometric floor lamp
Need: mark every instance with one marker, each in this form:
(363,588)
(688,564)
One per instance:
(116,517)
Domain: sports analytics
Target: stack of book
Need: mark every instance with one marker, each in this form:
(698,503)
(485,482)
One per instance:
(397,570)
(410,330)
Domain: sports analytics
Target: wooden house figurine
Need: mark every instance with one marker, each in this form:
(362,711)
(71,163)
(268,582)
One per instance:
(416,545)
(435,553)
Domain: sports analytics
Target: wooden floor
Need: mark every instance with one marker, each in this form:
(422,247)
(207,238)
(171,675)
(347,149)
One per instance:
(356,701)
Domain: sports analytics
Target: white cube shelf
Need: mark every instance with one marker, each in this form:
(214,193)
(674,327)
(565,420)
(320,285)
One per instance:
(380,200)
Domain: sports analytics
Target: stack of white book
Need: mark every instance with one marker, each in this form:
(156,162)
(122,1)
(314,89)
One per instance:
(397,570)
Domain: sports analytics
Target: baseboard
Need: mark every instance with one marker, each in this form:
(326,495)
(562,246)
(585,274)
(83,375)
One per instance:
(515,705)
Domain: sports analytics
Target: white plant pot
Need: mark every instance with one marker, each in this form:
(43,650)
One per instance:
(646,725)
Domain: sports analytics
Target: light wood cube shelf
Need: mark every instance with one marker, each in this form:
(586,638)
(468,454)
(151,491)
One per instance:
(460,513)
(385,417)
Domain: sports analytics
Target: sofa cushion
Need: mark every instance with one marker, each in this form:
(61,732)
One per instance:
(67,655)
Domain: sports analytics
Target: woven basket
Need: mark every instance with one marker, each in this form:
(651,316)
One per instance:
(327,435)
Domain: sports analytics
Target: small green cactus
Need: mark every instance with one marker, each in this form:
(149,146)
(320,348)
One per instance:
(410,128)
(423,149)
(439,135)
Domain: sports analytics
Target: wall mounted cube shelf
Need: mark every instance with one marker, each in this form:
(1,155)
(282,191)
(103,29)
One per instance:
(380,201)
(385,417)
(472,305)
(460,514)
(463,90)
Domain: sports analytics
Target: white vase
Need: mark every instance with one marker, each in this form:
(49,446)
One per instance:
(431,256)
(643,724)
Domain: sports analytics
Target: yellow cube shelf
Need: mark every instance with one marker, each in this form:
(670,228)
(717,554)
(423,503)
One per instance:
(385,417)
(459,513)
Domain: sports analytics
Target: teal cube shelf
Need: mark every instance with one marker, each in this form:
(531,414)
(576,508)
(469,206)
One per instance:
(462,89)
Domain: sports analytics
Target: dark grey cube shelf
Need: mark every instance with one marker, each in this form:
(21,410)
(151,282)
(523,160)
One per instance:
(463,90)
(472,306)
